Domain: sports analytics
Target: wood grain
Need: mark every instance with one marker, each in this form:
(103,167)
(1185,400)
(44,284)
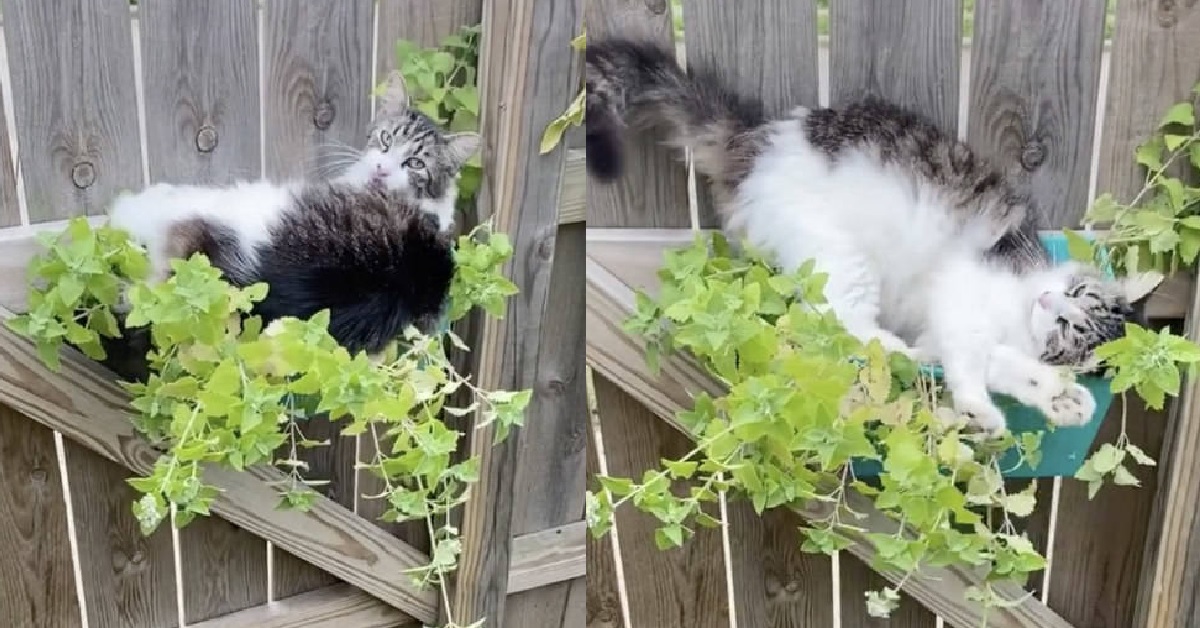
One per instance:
(337,606)
(775,583)
(128,578)
(678,588)
(38,588)
(1035,72)
(549,484)
(424,22)
(10,209)
(526,63)
(653,191)
(905,51)
(317,83)
(200,76)
(547,557)
(857,580)
(73,103)
(225,569)
(611,300)
(83,403)
(765,49)
(603,594)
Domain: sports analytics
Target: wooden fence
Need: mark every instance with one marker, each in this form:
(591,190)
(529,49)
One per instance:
(99,97)
(1042,96)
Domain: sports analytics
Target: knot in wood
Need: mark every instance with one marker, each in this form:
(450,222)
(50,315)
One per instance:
(206,139)
(38,476)
(657,7)
(323,115)
(1167,14)
(1033,154)
(83,174)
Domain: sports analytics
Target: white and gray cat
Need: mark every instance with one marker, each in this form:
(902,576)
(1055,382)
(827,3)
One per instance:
(926,246)
(373,245)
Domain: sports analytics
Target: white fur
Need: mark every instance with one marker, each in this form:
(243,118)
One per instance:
(899,271)
(249,208)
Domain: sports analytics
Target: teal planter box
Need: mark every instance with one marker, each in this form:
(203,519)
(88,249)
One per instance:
(1063,449)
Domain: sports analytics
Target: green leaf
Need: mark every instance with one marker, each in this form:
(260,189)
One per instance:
(1079,247)
(1122,477)
(1107,458)
(1179,113)
(1139,455)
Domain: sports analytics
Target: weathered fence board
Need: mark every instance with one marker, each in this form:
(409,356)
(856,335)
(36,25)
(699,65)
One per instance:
(201,82)
(906,52)
(1035,71)
(525,82)
(767,49)
(128,578)
(603,589)
(73,99)
(678,588)
(10,204)
(316,82)
(775,583)
(424,22)
(225,569)
(857,579)
(35,554)
(549,483)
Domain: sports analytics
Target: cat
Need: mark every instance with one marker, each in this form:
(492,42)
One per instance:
(927,247)
(373,244)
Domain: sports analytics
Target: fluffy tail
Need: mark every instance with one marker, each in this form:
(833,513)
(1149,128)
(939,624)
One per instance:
(639,86)
(378,263)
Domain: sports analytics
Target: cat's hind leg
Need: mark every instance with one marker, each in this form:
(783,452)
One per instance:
(1034,383)
(852,292)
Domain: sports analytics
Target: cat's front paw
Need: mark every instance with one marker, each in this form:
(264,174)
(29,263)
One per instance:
(983,414)
(1073,405)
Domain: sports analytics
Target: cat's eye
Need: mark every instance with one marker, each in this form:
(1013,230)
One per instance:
(414,162)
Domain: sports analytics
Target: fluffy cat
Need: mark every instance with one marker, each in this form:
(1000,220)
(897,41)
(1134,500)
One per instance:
(373,244)
(927,247)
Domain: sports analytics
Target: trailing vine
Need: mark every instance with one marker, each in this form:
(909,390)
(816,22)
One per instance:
(806,401)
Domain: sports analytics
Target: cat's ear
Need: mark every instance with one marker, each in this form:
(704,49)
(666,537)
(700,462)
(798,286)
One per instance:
(460,147)
(394,98)
(1138,286)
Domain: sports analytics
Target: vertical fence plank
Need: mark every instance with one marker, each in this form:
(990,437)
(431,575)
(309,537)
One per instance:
(525,71)
(549,483)
(1035,71)
(200,76)
(317,83)
(317,97)
(603,592)
(910,614)
(1155,62)
(679,588)
(10,209)
(765,49)
(768,50)
(128,578)
(684,587)
(653,173)
(73,99)
(424,22)
(224,569)
(906,52)
(37,588)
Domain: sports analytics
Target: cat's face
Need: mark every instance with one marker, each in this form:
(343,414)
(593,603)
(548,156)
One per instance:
(1085,310)
(405,150)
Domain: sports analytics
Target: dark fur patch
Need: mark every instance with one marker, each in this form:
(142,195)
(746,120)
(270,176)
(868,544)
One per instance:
(639,85)
(375,261)
(219,243)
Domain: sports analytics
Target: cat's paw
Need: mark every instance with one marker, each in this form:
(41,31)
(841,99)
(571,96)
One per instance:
(1074,405)
(983,414)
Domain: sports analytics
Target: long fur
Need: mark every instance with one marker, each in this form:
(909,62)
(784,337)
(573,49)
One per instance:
(928,248)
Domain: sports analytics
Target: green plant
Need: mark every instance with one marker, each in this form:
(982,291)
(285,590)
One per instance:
(442,83)
(804,398)
(574,114)
(225,390)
